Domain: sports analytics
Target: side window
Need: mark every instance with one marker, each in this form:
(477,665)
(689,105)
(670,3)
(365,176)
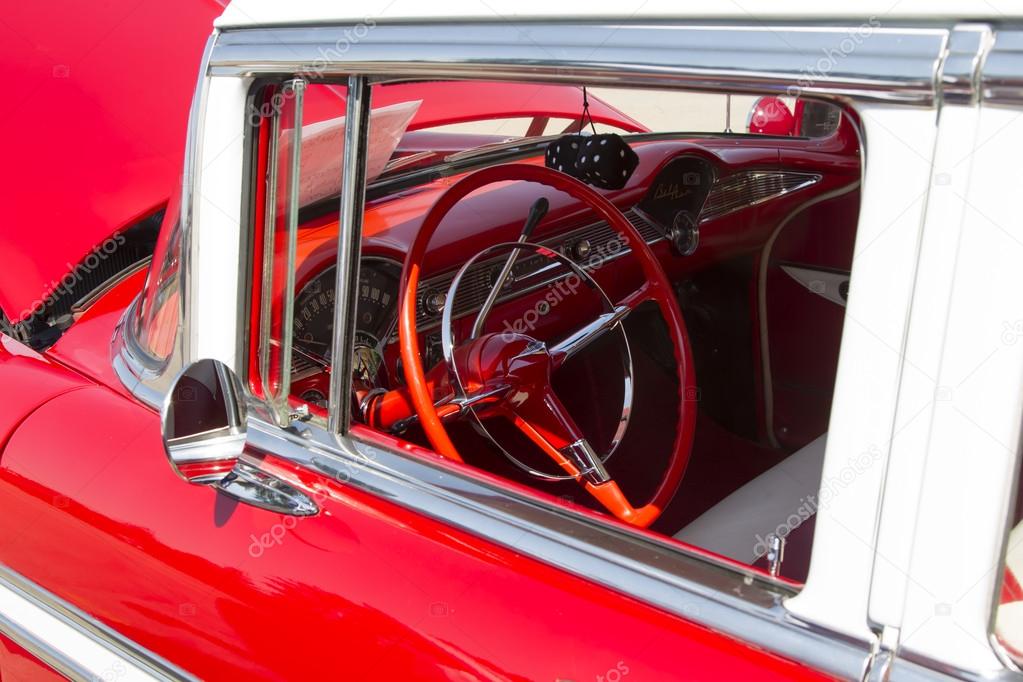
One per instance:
(299,137)
(764,313)
(160,306)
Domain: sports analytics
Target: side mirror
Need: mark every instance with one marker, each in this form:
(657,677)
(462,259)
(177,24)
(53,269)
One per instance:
(204,422)
(204,431)
(771,116)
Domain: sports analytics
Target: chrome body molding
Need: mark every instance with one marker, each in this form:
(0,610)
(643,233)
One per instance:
(53,631)
(884,64)
(749,188)
(147,380)
(1001,77)
(740,603)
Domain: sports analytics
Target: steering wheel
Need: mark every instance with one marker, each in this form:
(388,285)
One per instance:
(509,374)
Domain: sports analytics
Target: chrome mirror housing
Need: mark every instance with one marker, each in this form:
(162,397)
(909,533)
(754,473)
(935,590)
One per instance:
(203,422)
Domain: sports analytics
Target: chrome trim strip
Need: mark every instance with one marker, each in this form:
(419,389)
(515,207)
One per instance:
(68,661)
(910,667)
(749,188)
(741,604)
(349,241)
(1001,76)
(283,394)
(886,64)
(278,396)
(959,74)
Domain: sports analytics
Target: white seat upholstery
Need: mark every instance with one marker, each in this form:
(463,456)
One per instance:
(777,501)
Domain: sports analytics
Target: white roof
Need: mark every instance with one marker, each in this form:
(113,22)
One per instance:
(242,13)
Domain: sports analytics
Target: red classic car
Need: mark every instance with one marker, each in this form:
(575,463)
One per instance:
(501,343)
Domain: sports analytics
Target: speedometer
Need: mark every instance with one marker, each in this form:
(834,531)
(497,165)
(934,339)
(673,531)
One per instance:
(376,318)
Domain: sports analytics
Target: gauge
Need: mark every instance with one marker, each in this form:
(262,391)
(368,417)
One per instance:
(314,317)
(375,318)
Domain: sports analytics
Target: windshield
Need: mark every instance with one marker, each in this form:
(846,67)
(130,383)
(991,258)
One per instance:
(460,121)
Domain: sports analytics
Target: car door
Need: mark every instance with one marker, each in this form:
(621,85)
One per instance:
(364,589)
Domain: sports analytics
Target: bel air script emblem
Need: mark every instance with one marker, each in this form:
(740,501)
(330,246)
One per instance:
(671,191)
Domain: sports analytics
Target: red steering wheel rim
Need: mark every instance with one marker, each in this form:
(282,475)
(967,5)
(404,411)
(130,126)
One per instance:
(658,289)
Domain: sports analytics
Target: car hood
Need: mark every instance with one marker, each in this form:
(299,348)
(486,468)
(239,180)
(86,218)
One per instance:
(96,114)
(96,110)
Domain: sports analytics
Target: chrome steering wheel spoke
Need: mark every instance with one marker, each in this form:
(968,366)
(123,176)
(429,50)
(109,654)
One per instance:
(587,334)
(576,449)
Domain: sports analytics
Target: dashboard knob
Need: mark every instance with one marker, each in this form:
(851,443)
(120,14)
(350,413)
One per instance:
(582,249)
(435,302)
(684,234)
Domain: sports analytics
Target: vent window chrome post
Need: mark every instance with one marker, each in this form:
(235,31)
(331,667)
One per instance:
(277,395)
(349,243)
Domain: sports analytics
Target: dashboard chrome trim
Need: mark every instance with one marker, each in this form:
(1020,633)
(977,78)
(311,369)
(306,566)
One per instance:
(744,189)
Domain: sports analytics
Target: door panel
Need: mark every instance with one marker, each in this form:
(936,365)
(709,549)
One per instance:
(803,303)
(364,590)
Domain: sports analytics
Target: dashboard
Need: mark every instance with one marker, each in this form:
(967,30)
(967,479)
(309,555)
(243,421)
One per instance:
(682,194)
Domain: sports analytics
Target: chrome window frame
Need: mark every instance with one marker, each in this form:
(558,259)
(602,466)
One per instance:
(279,397)
(736,602)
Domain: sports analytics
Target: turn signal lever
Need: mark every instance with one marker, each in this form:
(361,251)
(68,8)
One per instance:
(536,213)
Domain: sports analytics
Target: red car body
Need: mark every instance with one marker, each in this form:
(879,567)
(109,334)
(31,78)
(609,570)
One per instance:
(367,589)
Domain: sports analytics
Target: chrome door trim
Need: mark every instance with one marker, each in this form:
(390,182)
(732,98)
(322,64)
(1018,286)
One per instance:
(885,64)
(959,73)
(143,663)
(742,604)
(1001,74)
